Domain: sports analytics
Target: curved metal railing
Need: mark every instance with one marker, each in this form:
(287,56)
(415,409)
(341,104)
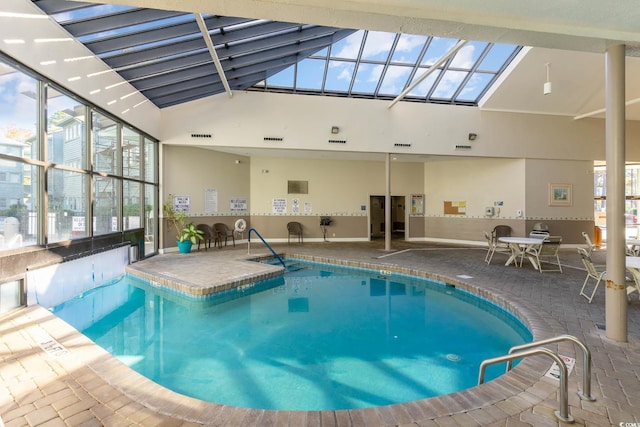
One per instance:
(265,243)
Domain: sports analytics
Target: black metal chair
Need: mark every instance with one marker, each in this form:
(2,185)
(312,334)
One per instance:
(224,232)
(294,228)
(208,235)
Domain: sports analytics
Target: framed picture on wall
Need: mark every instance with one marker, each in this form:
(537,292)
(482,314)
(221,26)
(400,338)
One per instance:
(560,195)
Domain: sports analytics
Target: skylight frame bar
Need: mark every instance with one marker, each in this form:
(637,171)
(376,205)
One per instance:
(127,41)
(116,21)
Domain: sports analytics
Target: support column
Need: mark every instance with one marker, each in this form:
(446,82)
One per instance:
(387,204)
(616,294)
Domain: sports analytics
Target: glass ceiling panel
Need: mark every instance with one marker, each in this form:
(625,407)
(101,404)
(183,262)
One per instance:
(339,76)
(395,80)
(349,47)
(367,78)
(409,49)
(378,46)
(310,74)
(384,63)
(283,78)
(449,84)
(90,12)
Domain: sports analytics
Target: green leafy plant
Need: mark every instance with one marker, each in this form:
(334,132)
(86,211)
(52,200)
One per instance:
(175,219)
(190,232)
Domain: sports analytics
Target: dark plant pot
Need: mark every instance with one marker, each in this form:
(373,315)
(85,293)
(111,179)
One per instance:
(185,246)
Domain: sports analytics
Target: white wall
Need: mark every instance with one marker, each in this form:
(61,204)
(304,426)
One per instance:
(478,182)
(369,126)
(335,186)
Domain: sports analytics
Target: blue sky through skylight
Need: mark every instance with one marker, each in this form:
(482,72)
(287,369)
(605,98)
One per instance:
(378,64)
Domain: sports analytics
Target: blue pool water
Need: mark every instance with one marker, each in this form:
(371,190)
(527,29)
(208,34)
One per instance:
(321,337)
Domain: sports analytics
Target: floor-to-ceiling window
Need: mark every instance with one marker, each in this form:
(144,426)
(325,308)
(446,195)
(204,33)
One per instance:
(632,199)
(67,169)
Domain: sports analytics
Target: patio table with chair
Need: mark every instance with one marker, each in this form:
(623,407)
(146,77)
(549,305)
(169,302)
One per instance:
(520,247)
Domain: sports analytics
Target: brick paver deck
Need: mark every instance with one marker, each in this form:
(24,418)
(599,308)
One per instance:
(50,375)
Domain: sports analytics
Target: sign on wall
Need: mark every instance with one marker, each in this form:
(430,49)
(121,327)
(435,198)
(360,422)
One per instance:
(210,200)
(417,204)
(182,203)
(279,206)
(238,204)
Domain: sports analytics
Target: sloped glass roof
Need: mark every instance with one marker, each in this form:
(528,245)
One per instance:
(164,55)
(373,64)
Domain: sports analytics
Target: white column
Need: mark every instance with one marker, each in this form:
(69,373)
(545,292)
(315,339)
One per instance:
(616,295)
(387,204)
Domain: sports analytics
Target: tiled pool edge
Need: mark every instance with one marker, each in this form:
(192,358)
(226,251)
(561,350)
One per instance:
(522,388)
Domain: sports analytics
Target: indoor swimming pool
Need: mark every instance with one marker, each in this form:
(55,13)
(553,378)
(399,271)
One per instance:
(320,337)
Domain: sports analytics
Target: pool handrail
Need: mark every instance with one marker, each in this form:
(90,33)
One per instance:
(585,394)
(563,400)
(265,243)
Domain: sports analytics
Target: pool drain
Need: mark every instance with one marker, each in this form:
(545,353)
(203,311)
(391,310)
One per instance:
(453,357)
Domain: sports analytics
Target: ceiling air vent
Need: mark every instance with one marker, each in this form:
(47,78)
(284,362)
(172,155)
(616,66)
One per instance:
(201,135)
(273,138)
(400,144)
(337,141)
(463,147)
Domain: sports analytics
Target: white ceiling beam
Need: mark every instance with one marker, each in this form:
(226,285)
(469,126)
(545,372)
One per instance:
(212,51)
(427,73)
(602,110)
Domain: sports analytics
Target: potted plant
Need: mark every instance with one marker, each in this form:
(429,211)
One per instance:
(186,234)
(189,236)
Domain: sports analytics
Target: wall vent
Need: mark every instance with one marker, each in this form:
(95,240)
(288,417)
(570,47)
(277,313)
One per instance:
(201,135)
(273,138)
(463,147)
(337,141)
(400,144)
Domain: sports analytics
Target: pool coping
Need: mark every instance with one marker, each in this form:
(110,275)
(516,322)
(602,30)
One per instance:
(523,387)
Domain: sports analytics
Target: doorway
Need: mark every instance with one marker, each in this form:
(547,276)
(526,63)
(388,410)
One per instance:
(376,209)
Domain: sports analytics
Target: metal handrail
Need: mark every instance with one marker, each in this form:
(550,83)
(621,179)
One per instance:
(585,394)
(563,411)
(265,243)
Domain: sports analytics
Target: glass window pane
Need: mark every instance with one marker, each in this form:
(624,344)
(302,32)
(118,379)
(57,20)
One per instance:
(449,84)
(67,205)
(367,78)
(65,128)
(339,75)
(18,121)
(425,86)
(395,80)
(378,46)
(437,49)
(106,197)
(468,55)
(10,295)
(495,59)
(408,48)
(349,47)
(150,229)
(105,144)
(474,87)
(131,141)
(310,74)
(282,79)
(150,148)
(131,205)
(18,204)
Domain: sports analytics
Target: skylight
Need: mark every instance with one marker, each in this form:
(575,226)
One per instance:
(381,65)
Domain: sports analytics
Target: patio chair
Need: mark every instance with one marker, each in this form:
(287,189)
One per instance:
(493,247)
(207,235)
(223,231)
(294,228)
(547,250)
(590,246)
(592,273)
(635,274)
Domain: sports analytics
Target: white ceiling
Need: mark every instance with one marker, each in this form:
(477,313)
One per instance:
(572,36)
